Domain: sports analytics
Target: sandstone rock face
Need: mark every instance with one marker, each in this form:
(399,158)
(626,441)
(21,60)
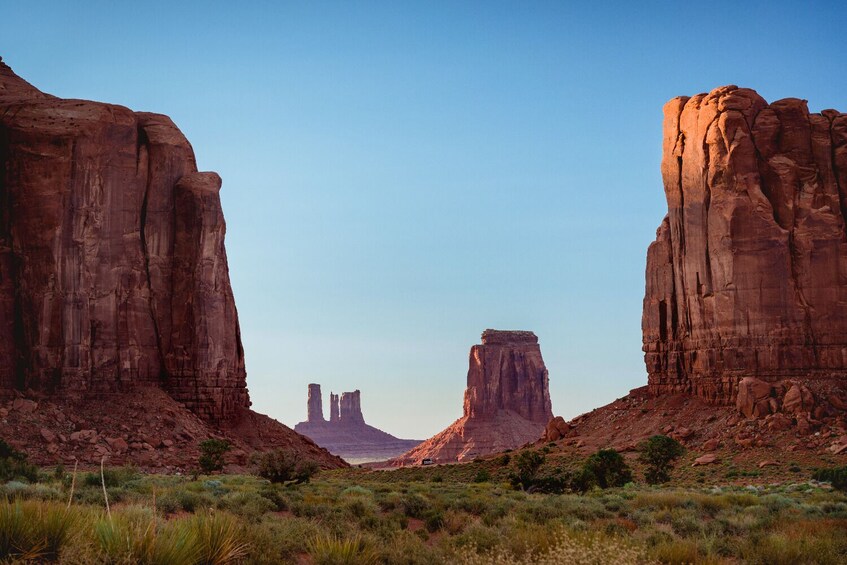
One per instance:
(748,273)
(113,271)
(556,429)
(507,401)
(346,434)
(315,411)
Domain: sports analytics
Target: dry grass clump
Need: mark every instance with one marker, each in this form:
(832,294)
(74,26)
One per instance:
(336,550)
(569,549)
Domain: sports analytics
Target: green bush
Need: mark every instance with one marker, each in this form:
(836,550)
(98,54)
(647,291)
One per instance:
(604,469)
(284,466)
(837,476)
(115,477)
(212,453)
(527,464)
(658,453)
(482,476)
(13,465)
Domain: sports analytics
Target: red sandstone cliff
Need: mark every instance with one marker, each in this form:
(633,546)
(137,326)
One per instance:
(507,401)
(748,273)
(113,272)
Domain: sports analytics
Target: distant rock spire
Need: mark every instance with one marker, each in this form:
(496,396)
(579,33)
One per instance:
(315,406)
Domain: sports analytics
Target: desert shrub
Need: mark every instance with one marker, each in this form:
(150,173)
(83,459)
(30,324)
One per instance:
(275,541)
(334,550)
(414,505)
(503,460)
(34,530)
(284,466)
(658,453)
(433,520)
(482,476)
(212,452)
(220,539)
(14,465)
(248,505)
(272,494)
(603,469)
(837,476)
(178,500)
(567,548)
(527,464)
(113,477)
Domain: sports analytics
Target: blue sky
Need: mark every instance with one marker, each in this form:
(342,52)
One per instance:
(400,176)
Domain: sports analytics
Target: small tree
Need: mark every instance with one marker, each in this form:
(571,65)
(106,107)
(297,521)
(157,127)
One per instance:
(212,453)
(284,466)
(837,476)
(659,453)
(528,463)
(14,464)
(604,469)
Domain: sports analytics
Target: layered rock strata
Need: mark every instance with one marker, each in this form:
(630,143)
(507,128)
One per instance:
(113,271)
(346,434)
(748,273)
(507,401)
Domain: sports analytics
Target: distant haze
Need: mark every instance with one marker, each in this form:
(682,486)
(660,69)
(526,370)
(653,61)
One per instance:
(398,177)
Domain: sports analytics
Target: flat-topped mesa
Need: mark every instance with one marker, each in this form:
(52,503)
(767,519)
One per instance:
(748,273)
(351,409)
(113,271)
(315,404)
(507,372)
(502,337)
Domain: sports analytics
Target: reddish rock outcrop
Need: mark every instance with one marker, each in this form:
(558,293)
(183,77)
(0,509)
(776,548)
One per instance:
(346,434)
(113,271)
(112,258)
(507,401)
(748,273)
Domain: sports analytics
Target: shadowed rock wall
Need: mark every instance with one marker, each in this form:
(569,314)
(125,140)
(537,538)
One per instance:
(113,271)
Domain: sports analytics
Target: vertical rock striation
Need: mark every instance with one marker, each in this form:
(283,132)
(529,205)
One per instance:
(333,408)
(351,408)
(113,271)
(315,409)
(507,401)
(748,273)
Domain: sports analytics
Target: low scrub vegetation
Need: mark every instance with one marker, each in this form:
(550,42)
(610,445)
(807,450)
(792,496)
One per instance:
(467,516)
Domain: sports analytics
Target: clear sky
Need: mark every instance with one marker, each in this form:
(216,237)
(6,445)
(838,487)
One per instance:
(400,176)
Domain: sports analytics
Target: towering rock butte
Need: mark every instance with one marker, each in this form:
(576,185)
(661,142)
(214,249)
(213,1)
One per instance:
(346,434)
(748,273)
(113,272)
(315,409)
(507,401)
